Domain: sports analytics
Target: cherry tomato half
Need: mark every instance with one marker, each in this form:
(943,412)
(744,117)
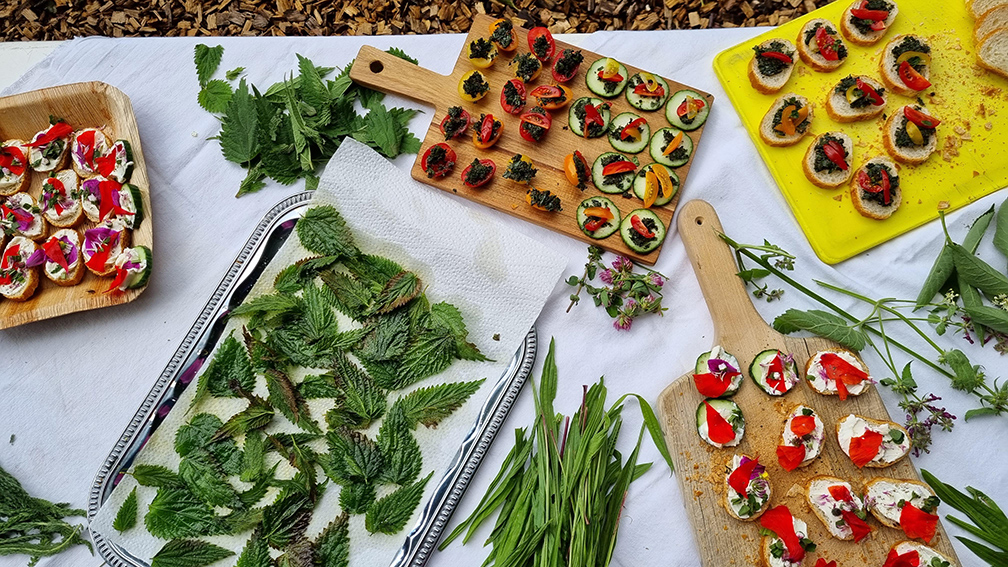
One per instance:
(911,78)
(455,127)
(438,161)
(541,43)
(919,118)
(478,173)
(567,65)
(826,44)
(488,132)
(512,97)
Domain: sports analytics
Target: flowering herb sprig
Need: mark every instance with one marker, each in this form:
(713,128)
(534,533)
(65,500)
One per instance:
(625,294)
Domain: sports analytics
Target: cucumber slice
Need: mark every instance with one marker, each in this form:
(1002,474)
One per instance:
(728,410)
(605,89)
(640,183)
(633,239)
(702,367)
(134,202)
(576,116)
(645,103)
(609,227)
(616,183)
(679,156)
(628,146)
(672,111)
(759,371)
(145,256)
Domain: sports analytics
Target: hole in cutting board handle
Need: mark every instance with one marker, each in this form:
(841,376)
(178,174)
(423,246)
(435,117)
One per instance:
(699,221)
(377,67)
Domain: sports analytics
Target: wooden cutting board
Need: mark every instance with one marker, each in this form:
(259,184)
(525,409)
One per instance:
(83,105)
(378,70)
(700,468)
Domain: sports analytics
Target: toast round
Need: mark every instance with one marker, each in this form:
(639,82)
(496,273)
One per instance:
(875,423)
(71,216)
(124,242)
(855,36)
(38,229)
(828,180)
(818,388)
(22,182)
(769,84)
(840,110)
(992,53)
(911,155)
(101,145)
(813,447)
(887,515)
(889,71)
(24,290)
(774,138)
(728,491)
(76,272)
(60,162)
(809,52)
(869,208)
(926,554)
(825,517)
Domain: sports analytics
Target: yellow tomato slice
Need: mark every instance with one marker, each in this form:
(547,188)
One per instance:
(914,133)
(674,145)
(663,180)
(598,212)
(650,188)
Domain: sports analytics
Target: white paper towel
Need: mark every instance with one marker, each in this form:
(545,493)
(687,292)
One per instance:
(499,280)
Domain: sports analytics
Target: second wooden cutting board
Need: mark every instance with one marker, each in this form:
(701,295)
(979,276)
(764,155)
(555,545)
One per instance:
(700,468)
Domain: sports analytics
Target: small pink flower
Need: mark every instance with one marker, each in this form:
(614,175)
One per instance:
(606,276)
(622,322)
(657,280)
(622,264)
(630,305)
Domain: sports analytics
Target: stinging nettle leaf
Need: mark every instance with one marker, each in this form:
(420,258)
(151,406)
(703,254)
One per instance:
(390,514)
(155,475)
(255,553)
(399,291)
(285,520)
(230,366)
(256,416)
(322,230)
(387,338)
(188,553)
(207,60)
(234,73)
(176,512)
(823,324)
(355,497)
(332,547)
(429,354)
(126,517)
(284,396)
(239,127)
(428,406)
(400,450)
(214,96)
(363,401)
(206,480)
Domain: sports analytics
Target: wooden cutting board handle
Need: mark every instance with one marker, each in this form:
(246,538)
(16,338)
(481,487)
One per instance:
(727,298)
(385,72)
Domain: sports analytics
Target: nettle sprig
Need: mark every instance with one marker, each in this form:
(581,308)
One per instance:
(625,294)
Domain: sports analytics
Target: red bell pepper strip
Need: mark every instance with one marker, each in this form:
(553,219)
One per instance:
(55,253)
(826,44)
(857,525)
(917,523)
(919,118)
(55,132)
(835,153)
(633,125)
(865,14)
(710,385)
(594,224)
(614,79)
(876,98)
(780,521)
(641,229)
(592,116)
(802,425)
(782,57)
(739,478)
(863,449)
(621,166)
(718,428)
(790,456)
(911,78)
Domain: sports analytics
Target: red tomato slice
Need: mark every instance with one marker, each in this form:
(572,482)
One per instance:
(546,91)
(441,167)
(622,166)
(865,14)
(633,125)
(486,128)
(642,90)
(642,230)
(835,153)
(561,78)
(783,57)
(481,182)
(542,54)
(919,118)
(594,224)
(541,120)
(614,79)
(826,44)
(877,26)
(516,86)
(911,78)
(444,121)
(870,91)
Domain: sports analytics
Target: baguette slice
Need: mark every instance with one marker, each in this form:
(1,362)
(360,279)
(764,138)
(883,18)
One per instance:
(989,22)
(838,108)
(883,496)
(809,52)
(118,239)
(926,554)
(82,154)
(890,71)
(868,207)
(819,381)
(71,209)
(54,271)
(827,179)
(775,138)
(992,53)
(768,560)
(912,154)
(895,439)
(769,84)
(830,510)
(854,35)
(40,163)
(25,204)
(978,8)
(758,489)
(22,288)
(9,182)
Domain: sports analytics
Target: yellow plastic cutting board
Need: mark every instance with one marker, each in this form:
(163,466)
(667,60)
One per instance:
(972,104)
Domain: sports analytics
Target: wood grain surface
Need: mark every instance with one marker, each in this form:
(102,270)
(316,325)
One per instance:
(700,468)
(381,71)
(83,105)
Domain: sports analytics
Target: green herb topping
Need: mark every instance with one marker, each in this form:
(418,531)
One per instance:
(540,46)
(512,96)
(520,170)
(863,25)
(769,66)
(543,200)
(480,49)
(455,122)
(502,33)
(823,164)
(526,66)
(475,85)
(477,172)
(568,62)
(790,101)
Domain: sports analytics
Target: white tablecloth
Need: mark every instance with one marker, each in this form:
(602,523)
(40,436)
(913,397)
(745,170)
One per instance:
(69,386)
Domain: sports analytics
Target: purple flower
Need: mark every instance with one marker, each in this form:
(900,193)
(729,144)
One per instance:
(630,304)
(657,280)
(606,276)
(622,264)
(622,322)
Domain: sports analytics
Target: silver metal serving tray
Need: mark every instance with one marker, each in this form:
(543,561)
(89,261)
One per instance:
(267,238)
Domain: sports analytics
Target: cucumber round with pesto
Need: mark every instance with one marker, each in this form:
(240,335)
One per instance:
(647,102)
(602,87)
(730,412)
(614,183)
(644,234)
(634,144)
(605,229)
(677,157)
(640,183)
(775,376)
(576,117)
(678,111)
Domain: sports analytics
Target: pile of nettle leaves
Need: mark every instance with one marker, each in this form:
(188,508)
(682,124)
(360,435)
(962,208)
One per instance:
(973,301)
(399,339)
(32,526)
(292,129)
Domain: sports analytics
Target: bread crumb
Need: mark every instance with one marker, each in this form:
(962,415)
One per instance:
(959,130)
(990,91)
(861,144)
(943,205)
(981,110)
(838,198)
(951,148)
(697,493)
(976,173)
(988,126)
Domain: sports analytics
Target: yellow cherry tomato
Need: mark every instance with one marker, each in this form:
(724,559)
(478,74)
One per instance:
(473,86)
(486,51)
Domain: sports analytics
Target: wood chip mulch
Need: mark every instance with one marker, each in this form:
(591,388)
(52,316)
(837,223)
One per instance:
(64,19)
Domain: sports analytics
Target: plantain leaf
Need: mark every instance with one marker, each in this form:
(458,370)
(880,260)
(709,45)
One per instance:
(823,324)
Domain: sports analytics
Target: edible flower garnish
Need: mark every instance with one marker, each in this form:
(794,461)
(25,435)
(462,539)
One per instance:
(775,374)
(822,563)
(863,449)
(802,425)
(840,493)
(54,252)
(108,199)
(106,163)
(53,193)
(790,457)
(23,218)
(740,477)
(99,242)
(917,523)
(841,372)
(780,521)
(86,148)
(718,428)
(858,526)
(710,385)
(908,559)
(53,133)
(13,159)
